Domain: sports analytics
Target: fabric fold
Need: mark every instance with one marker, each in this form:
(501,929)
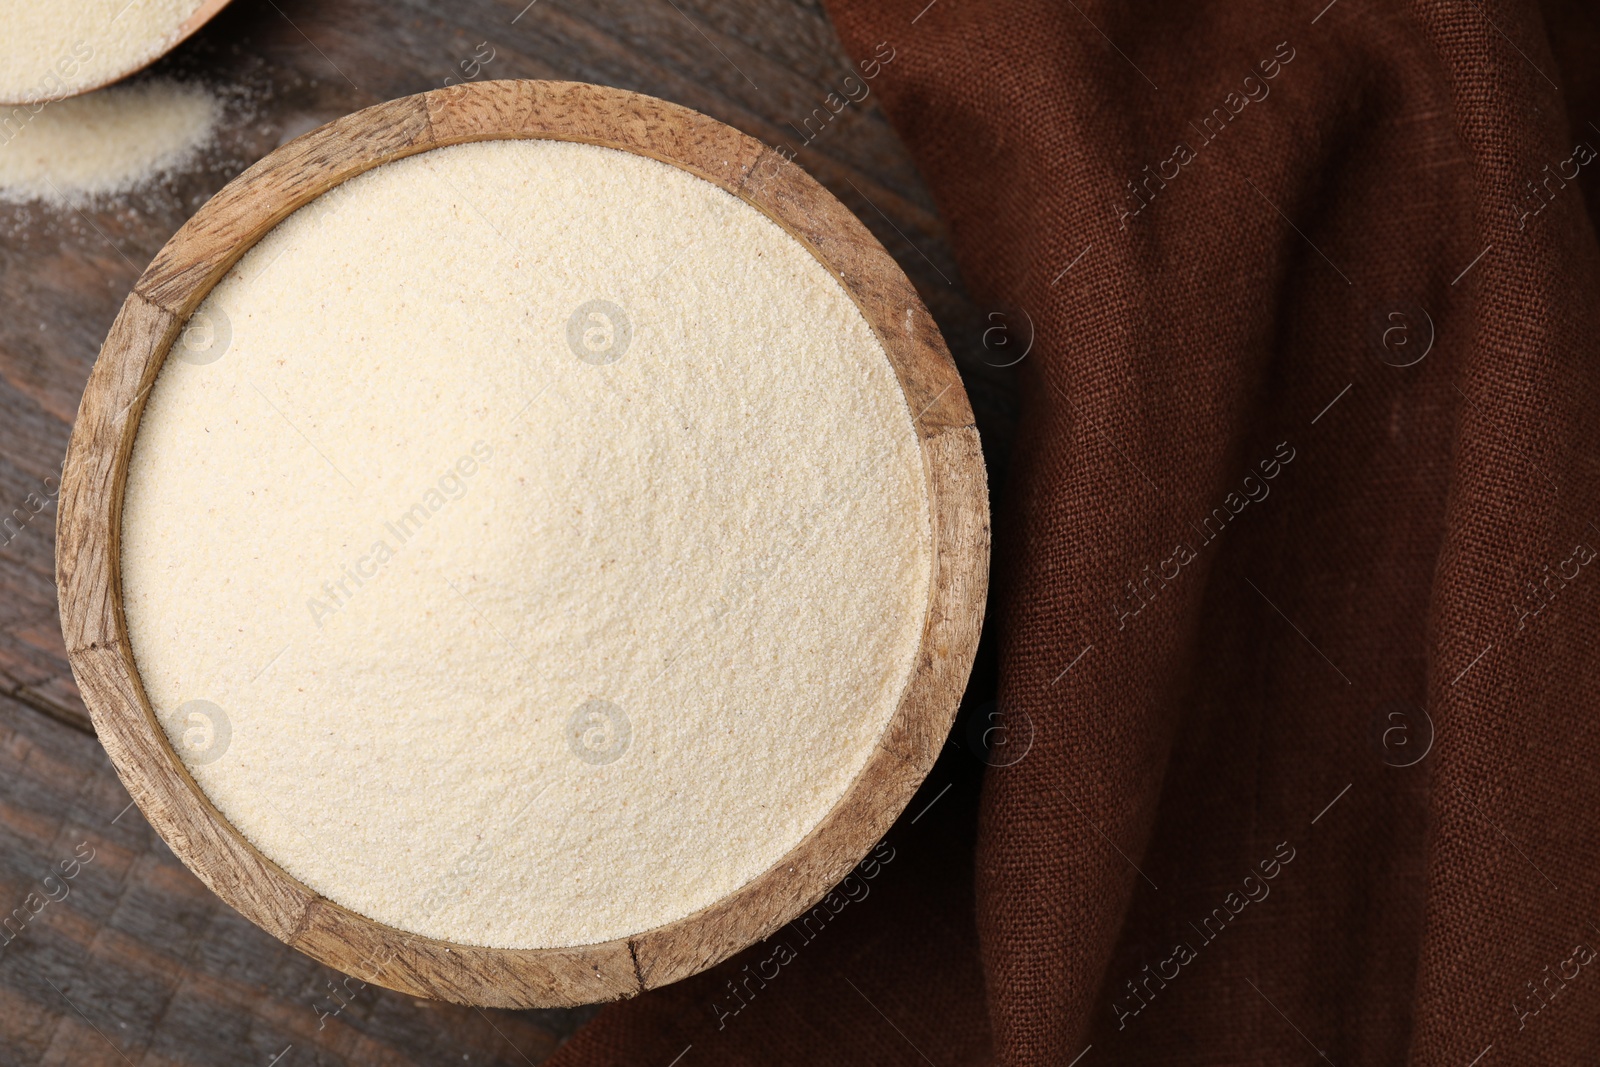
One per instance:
(1294,583)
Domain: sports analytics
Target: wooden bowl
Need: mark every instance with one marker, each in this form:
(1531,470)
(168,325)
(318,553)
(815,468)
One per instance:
(88,542)
(191,25)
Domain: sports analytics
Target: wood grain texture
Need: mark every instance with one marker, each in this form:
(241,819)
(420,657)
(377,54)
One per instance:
(88,546)
(241,214)
(144,950)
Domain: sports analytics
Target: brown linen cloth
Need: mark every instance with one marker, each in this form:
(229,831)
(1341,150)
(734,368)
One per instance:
(1296,578)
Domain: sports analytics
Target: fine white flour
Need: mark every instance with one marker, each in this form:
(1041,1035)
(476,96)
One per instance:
(526,544)
(57,48)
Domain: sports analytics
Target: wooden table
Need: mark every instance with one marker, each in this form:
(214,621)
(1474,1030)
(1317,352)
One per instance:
(137,962)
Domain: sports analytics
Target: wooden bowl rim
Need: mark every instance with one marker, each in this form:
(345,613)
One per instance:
(89,529)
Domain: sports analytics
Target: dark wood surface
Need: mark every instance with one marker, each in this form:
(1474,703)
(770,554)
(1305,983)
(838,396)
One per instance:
(138,962)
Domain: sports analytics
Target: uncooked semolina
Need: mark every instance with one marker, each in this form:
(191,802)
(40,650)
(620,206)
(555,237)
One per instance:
(526,544)
(55,49)
(106,142)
